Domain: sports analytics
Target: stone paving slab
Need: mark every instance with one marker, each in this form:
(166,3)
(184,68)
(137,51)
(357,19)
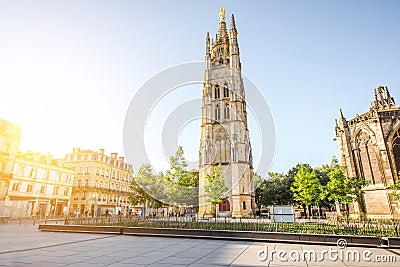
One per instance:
(23,245)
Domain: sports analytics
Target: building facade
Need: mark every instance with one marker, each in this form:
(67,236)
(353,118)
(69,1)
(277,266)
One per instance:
(41,187)
(10,135)
(101,183)
(224,134)
(369,146)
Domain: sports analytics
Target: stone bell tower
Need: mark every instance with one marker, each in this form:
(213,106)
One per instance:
(224,133)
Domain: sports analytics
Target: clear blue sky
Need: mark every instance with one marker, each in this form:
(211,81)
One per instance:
(68,69)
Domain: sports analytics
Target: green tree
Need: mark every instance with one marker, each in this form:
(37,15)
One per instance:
(215,187)
(306,187)
(278,189)
(181,184)
(342,189)
(396,190)
(142,183)
(259,194)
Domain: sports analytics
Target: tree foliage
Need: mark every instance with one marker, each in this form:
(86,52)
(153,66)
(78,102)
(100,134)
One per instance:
(341,188)
(143,182)
(215,187)
(306,187)
(396,190)
(177,186)
(181,184)
(260,191)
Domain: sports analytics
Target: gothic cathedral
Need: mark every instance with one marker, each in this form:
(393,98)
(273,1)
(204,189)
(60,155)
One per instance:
(224,134)
(369,146)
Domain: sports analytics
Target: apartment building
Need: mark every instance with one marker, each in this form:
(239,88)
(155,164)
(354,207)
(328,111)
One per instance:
(40,187)
(101,183)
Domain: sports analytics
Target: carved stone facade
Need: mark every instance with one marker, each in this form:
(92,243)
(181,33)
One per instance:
(369,147)
(224,133)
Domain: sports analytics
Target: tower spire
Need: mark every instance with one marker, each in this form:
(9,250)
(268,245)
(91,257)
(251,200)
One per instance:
(234,46)
(222,36)
(233,24)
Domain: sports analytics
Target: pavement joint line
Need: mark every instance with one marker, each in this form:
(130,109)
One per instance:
(201,258)
(176,253)
(301,248)
(54,245)
(240,253)
(394,252)
(154,250)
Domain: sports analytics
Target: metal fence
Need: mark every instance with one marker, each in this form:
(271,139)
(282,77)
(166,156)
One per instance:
(360,228)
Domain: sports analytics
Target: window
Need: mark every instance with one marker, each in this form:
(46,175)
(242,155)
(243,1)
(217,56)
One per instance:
(244,205)
(42,189)
(216,92)
(224,205)
(66,191)
(21,171)
(16,187)
(396,150)
(6,148)
(55,190)
(226,91)
(226,111)
(29,189)
(367,159)
(217,113)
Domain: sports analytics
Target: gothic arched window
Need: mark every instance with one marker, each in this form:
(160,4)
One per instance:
(217,113)
(226,111)
(218,151)
(367,159)
(396,150)
(216,92)
(226,91)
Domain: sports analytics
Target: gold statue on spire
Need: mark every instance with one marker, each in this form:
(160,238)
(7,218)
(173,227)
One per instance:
(222,14)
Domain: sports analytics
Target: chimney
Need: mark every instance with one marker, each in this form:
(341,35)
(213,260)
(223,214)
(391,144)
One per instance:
(121,159)
(114,155)
(101,151)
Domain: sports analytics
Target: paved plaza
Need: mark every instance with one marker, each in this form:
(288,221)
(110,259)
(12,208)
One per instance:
(23,245)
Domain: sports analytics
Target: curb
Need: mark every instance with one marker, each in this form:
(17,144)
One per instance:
(315,239)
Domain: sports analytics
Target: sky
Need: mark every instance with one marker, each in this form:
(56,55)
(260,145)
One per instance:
(69,69)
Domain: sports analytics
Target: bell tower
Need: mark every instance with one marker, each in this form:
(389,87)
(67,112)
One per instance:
(225,137)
